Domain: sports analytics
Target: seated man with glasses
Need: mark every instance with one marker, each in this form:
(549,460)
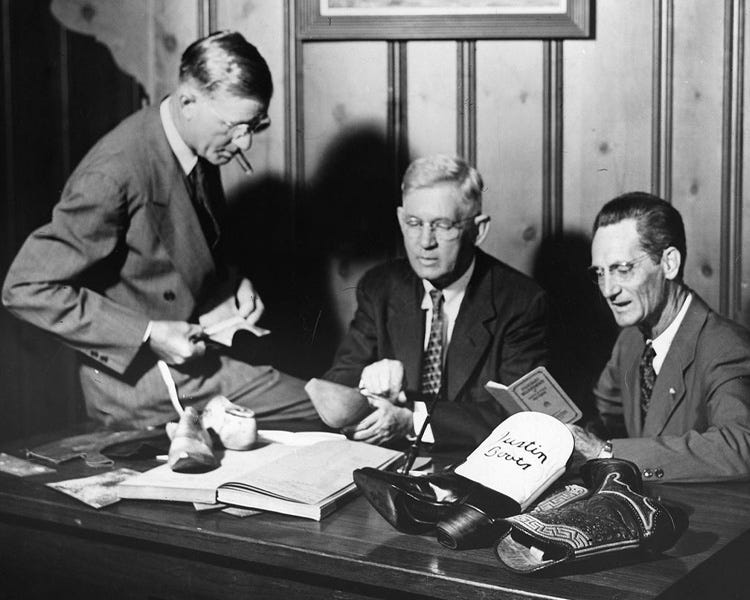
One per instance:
(676,390)
(444,320)
(135,252)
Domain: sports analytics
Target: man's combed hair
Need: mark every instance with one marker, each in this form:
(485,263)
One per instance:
(658,223)
(227,62)
(433,170)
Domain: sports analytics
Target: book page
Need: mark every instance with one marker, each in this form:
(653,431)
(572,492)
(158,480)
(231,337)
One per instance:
(310,474)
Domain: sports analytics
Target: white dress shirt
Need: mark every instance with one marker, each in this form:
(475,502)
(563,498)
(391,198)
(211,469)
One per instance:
(663,341)
(453,295)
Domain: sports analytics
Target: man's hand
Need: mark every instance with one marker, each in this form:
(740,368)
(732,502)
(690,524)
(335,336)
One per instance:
(586,446)
(387,422)
(170,341)
(384,379)
(248,302)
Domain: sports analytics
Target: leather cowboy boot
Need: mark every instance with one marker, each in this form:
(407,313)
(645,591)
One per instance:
(615,516)
(413,503)
(479,521)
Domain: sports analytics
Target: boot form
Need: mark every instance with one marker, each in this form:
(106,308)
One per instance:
(615,516)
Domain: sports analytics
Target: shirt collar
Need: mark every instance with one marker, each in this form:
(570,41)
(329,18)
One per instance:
(664,340)
(186,157)
(450,292)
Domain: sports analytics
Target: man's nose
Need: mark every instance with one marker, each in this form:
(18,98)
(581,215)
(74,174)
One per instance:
(427,237)
(608,286)
(243,142)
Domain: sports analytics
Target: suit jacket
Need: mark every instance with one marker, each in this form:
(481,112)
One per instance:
(698,424)
(124,247)
(500,334)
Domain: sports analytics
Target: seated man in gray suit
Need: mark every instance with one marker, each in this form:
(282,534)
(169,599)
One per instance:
(676,389)
(446,319)
(134,255)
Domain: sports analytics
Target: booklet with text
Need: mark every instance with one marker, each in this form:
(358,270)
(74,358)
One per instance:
(536,391)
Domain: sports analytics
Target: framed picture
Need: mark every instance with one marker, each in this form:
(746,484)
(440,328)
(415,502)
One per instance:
(442,19)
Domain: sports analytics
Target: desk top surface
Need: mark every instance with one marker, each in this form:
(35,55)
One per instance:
(355,544)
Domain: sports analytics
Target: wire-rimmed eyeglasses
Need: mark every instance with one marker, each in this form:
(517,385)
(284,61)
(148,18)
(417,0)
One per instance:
(619,272)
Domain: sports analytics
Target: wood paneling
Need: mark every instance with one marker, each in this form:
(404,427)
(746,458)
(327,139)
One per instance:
(654,101)
(606,111)
(61,92)
(509,147)
(431,98)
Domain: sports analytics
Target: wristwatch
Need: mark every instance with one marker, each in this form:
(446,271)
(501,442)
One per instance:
(606,451)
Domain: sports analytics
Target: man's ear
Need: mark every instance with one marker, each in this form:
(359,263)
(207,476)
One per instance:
(400,217)
(671,259)
(187,100)
(483,227)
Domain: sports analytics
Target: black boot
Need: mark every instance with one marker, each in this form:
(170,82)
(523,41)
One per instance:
(615,516)
(413,504)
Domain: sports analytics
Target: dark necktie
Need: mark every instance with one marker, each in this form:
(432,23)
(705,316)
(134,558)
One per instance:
(432,361)
(205,199)
(648,377)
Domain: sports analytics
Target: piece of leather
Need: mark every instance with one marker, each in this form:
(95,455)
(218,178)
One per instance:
(337,405)
(91,447)
(614,516)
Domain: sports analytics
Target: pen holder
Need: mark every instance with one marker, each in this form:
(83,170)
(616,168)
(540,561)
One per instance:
(234,425)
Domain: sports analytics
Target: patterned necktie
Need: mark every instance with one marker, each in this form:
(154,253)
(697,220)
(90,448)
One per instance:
(648,377)
(204,202)
(432,361)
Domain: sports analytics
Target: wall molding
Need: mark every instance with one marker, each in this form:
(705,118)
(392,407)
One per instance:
(730,291)
(396,120)
(466,101)
(662,98)
(552,139)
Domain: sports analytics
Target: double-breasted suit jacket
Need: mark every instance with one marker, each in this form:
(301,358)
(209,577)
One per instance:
(500,333)
(124,247)
(697,427)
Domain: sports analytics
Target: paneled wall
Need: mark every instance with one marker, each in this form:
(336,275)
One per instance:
(653,101)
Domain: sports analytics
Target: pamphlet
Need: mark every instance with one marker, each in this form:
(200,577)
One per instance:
(536,391)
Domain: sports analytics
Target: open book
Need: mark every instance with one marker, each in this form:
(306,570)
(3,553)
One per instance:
(536,391)
(307,481)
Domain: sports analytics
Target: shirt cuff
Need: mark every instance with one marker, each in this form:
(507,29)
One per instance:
(420,414)
(147,333)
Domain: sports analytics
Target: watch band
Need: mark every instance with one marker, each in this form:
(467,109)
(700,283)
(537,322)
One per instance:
(606,451)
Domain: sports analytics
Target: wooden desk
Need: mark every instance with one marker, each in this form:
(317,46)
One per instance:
(53,546)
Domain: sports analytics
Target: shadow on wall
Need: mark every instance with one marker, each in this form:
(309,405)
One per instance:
(306,256)
(582,328)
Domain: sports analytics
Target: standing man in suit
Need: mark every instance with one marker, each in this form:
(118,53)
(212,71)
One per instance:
(133,255)
(447,318)
(676,389)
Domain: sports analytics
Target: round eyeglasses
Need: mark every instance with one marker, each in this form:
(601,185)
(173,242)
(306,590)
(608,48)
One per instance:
(619,272)
(444,230)
(238,130)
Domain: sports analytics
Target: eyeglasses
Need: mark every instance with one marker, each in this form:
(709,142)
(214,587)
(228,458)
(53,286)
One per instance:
(620,272)
(444,230)
(238,130)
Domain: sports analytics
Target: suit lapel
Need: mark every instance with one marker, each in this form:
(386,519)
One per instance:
(406,326)
(472,330)
(669,390)
(174,216)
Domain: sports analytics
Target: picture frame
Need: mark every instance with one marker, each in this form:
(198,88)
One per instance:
(442,19)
